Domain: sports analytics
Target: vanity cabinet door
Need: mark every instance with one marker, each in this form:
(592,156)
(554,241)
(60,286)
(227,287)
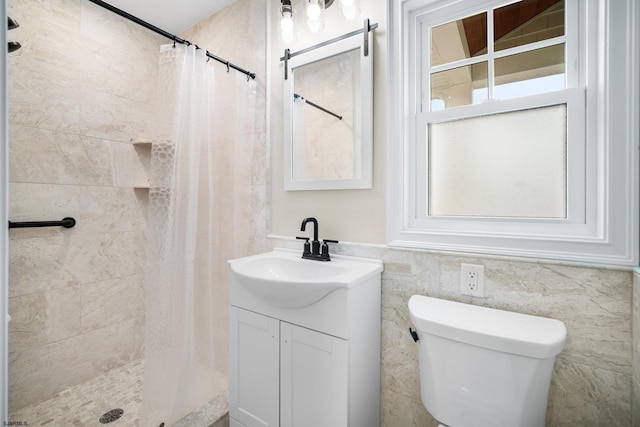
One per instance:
(314,378)
(254,368)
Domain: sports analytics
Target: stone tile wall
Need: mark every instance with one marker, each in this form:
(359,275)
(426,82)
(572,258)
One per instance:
(80,91)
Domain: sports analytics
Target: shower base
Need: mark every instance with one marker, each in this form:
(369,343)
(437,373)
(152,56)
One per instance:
(121,388)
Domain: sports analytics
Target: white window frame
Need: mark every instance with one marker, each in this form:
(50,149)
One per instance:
(603,201)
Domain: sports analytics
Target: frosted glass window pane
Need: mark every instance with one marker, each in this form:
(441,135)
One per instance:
(504,165)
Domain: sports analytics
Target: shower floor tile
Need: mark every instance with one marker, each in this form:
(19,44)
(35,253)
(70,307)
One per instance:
(84,404)
(120,388)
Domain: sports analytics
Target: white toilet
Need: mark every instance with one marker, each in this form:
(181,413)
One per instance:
(481,367)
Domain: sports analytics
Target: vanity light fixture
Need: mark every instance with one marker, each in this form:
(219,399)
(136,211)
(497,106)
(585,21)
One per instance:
(314,15)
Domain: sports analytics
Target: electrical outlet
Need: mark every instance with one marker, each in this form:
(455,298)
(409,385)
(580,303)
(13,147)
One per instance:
(472,280)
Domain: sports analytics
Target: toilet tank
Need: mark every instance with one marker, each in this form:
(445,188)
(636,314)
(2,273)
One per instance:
(482,367)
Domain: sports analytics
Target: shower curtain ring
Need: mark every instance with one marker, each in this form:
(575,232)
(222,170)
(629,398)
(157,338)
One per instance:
(174,42)
(227,66)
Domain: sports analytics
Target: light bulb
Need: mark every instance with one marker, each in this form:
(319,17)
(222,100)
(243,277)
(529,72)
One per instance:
(347,2)
(313,11)
(286,24)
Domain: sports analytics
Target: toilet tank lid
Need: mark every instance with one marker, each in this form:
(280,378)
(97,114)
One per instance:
(499,330)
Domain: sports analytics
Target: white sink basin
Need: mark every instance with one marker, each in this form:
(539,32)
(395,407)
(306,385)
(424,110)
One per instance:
(283,279)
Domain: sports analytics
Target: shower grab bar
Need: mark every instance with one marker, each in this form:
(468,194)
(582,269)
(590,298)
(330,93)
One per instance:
(67,222)
(296,96)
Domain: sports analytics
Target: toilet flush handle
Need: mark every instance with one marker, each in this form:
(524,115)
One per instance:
(414,335)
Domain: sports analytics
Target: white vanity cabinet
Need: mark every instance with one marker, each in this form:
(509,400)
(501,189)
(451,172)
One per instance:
(312,366)
(286,375)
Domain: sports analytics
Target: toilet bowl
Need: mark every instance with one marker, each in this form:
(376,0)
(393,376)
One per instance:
(481,367)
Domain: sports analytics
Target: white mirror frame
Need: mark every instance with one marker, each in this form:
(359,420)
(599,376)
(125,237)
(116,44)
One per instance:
(366,147)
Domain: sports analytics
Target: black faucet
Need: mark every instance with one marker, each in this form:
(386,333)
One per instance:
(313,251)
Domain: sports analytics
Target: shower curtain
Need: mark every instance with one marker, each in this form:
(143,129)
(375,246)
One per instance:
(195,119)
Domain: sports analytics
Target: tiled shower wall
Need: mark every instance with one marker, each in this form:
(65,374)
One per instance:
(80,91)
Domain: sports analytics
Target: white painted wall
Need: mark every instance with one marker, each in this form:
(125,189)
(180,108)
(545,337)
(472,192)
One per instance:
(346,215)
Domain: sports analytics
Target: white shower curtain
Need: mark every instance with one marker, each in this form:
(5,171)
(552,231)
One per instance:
(195,116)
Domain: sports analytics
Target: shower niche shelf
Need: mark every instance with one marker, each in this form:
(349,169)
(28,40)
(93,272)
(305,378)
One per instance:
(143,149)
(142,144)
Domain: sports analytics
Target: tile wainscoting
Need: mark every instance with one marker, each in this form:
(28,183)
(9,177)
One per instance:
(591,384)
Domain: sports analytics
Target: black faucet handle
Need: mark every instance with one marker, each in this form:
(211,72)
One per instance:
(307,245)
(325,248)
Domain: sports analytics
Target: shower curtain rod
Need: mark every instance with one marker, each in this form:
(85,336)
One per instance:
(169,35)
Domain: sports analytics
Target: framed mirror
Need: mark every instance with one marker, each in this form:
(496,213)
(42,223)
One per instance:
(328,117)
